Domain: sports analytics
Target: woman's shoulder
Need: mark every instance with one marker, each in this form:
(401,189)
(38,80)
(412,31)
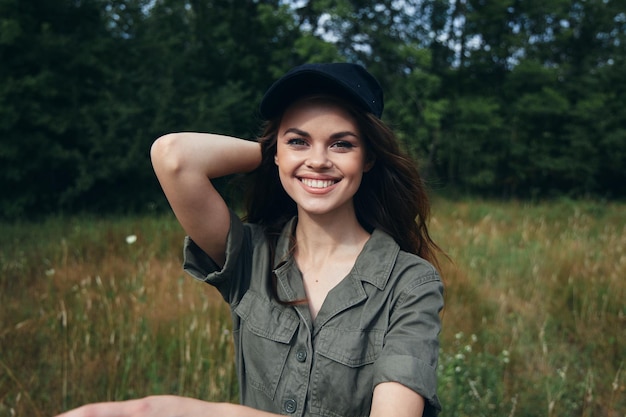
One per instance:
(407,260)
(260,232)
(385,265)
(412,271)
(382,243)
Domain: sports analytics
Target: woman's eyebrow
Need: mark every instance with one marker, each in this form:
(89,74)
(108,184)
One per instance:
(296,131)
(334,136)
(343,134)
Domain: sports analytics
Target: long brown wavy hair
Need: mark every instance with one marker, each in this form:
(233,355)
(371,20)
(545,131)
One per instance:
(392,195)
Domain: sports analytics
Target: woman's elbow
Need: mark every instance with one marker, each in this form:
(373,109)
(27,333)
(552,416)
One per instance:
(166,155)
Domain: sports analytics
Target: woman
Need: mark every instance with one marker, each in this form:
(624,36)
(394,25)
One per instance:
(330,280)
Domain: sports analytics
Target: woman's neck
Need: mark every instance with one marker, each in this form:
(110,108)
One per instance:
(327,248)
(323,238)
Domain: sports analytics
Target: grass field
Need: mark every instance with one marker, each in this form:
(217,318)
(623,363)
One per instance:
(535,324)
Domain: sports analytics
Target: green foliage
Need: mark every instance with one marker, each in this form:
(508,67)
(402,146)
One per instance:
(471,380)
(495,98)
(541,282)
(479,143)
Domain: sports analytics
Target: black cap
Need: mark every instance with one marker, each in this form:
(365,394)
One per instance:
(349,81)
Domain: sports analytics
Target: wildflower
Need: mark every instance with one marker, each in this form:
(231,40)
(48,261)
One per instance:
(468,348)
(459,356)
(458,336)
(457,369)
(130,239)
(474,338)
(50,272)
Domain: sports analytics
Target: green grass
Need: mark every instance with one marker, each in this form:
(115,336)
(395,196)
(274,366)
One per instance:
(534,322)
(536,308)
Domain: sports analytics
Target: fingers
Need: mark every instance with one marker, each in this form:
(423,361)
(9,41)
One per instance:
(153,406)
(130,408)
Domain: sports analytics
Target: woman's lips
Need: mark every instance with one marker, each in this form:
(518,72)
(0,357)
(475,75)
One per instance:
(315,183)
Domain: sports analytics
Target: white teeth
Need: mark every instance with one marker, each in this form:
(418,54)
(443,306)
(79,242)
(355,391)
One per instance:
(317,183)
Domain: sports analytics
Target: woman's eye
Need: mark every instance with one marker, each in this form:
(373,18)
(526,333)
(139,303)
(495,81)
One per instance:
(343,144)
(296,142)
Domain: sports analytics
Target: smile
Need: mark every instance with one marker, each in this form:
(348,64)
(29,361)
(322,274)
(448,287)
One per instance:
(317,183)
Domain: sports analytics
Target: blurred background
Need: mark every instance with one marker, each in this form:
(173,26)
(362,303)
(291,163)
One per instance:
(504,98)
(515,110)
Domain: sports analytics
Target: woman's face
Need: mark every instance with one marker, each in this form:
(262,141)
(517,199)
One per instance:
(321,157)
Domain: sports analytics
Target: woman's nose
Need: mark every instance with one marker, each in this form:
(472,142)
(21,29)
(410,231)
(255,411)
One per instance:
(318,158)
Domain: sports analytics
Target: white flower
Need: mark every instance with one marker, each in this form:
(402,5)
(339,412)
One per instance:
(130,239)
(50,272)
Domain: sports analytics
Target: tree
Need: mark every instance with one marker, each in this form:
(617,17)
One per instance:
(50,73)
(89,85)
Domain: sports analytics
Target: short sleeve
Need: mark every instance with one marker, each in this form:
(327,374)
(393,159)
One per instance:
(233,278)
(411,345)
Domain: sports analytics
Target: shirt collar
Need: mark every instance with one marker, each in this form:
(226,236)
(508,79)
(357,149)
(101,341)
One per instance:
(373,265)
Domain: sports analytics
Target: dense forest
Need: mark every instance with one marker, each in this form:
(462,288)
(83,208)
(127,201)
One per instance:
(495,98)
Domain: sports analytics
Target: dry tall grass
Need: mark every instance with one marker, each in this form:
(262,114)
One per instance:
(534,323)
(542,291)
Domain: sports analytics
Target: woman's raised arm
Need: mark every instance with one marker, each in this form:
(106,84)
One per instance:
(185,163)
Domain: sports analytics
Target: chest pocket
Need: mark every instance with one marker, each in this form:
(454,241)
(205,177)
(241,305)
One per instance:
(344,371)
(264,340)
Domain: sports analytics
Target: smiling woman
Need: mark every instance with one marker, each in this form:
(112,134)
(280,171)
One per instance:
(321,159)
(331,276)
